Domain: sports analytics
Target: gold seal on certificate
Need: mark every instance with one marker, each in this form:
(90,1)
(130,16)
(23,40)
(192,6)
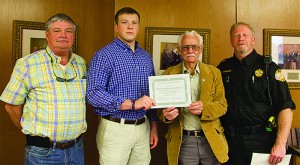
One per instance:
(170,90)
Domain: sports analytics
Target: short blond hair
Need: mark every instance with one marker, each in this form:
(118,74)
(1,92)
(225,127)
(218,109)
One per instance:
(235,25)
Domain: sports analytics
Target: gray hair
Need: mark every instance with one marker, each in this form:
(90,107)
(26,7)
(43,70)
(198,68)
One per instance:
(59,17)
(187,33)
(234,26)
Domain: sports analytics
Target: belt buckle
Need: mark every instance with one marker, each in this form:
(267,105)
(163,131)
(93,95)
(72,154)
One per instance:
(65,145)
(197,133)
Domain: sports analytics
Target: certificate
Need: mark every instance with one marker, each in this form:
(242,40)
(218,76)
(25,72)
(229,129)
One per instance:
(170,90)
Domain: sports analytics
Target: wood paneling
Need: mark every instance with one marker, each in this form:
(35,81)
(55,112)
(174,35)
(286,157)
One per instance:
(95,21)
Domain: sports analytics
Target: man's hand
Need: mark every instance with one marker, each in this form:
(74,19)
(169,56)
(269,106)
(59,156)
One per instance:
(170,113)
(277,153)
(153,135)
(15,112)
(196,107)
(144,102)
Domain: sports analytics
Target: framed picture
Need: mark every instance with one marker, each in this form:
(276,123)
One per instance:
(29,37)
(284,47)
(161,43)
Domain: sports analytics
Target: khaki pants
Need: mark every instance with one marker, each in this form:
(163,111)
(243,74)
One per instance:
(121,144)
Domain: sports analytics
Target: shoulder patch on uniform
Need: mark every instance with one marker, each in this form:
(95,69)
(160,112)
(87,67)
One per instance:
(259,73)
(279,75)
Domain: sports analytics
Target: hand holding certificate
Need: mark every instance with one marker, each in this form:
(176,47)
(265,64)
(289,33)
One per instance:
(170,90)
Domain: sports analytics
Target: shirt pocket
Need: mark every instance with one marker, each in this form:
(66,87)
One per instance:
(258,86)
(79,87)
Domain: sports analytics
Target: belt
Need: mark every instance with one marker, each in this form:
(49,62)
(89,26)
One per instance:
(118,120)
(45,142)
(247,129)
(250,129)
(198,133)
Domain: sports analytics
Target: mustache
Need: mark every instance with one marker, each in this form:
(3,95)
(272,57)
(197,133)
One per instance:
(191,55)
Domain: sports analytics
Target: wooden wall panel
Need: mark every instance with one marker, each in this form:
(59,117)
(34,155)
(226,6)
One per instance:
(95,21)
(95,29)
(279,14)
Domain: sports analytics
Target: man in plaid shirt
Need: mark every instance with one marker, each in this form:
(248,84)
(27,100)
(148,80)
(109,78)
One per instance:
(45,98)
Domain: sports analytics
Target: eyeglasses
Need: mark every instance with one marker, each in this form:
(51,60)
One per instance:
(186,48)
(60,79)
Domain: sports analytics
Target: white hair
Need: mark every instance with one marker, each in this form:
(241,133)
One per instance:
(187,33)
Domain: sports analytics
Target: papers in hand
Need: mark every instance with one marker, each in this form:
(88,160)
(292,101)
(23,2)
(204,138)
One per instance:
(263,159)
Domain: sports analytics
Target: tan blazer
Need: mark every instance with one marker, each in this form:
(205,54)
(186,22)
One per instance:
(214,105)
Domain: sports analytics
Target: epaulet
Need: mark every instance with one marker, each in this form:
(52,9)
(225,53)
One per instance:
(224,60)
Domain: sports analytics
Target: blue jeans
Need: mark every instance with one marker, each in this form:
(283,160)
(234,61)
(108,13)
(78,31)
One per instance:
(71,156)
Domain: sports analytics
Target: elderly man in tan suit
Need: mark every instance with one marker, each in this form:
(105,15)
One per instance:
(195,135)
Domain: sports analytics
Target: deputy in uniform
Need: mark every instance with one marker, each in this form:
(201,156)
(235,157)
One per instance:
(255,91)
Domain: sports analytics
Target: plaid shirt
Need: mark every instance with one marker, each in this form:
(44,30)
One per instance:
(51,108)
(117,73)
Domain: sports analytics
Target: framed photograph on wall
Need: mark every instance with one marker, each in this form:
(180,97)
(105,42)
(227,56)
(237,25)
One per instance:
(29,37)
(284,47)
(161,43)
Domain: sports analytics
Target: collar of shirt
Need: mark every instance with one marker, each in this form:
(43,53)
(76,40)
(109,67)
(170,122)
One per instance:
(125,46)
(249,59)
(67,71)
(56,59)
(185,70)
